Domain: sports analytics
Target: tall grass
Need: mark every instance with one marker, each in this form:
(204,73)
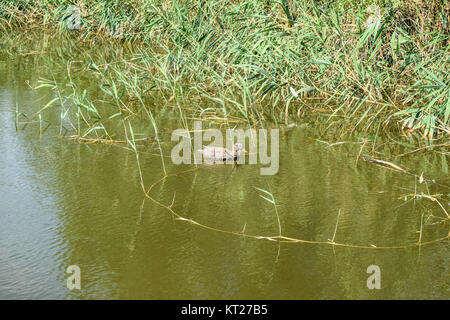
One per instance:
(364,63)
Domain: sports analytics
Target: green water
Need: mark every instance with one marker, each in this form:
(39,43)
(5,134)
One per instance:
(67,203)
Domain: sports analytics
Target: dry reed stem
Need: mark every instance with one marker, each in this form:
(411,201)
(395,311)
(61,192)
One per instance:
(280,237)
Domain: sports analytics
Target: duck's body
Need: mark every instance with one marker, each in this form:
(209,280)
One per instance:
(220,153)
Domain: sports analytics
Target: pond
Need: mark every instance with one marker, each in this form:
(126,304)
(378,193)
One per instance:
(206,232)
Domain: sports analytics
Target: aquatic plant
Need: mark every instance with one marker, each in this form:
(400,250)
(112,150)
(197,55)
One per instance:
(364,63)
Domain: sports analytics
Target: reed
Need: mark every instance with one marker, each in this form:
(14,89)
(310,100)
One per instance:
(368,65)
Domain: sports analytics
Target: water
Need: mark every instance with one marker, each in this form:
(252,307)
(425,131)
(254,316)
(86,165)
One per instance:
(66,203)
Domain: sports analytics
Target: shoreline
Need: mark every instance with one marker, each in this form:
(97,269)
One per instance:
(294,68)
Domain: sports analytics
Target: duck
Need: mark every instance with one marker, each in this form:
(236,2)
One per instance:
(220,153)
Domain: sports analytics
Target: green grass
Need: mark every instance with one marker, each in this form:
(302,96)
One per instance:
(255,60)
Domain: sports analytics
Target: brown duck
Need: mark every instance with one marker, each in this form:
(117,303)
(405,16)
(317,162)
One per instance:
(220,153)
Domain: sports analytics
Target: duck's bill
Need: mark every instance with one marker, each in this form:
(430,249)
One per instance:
(245,150)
